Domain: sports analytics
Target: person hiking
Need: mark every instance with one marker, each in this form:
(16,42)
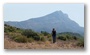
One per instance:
(54,35)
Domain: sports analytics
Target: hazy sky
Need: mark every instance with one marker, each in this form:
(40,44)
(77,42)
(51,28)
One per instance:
(21,12)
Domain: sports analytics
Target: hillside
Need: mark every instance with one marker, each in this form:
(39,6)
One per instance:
(16,38)
(58,20)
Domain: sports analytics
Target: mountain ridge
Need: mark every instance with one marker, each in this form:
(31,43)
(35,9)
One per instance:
(58,20)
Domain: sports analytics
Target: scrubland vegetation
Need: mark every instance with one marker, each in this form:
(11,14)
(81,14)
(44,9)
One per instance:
(29,36)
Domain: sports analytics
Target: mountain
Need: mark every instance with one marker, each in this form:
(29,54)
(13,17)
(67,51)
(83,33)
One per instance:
(58,20)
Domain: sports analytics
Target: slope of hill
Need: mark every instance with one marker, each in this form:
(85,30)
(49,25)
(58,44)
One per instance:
(58,20)
(16,38)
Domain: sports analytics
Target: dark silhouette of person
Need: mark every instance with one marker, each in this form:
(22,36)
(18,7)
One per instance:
(54,35)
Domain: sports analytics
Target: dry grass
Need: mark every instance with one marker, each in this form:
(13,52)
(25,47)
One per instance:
(10,44)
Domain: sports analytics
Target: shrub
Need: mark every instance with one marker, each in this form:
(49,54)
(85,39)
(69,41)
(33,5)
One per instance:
(12,35)
(8,28)
(75,38)
(50,39)
(30,40)
(29,33)
(80,42)
(62,38)
(48,36)
(17,37)
(44,33)
(37,38)
(43,39)
(68,37)
(20,39)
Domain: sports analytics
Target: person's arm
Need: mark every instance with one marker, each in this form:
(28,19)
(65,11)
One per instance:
(52,33)
(55,32)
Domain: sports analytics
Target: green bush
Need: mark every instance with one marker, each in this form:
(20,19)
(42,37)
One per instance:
(68,37)
(75,38)
(29,33)
(50,38)
(12,35)
(49,35)
(17,37)
(62,38)
(37,38)
(44,33)
(8,28)
(20,39)
(80,42)
(43,39)
(30,40)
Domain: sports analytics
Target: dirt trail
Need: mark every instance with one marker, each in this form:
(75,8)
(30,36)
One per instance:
(10,44)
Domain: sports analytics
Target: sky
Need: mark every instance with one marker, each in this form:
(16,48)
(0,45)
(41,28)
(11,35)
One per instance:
(21,12)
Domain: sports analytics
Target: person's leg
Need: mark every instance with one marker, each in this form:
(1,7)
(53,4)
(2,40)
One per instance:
(53,39)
